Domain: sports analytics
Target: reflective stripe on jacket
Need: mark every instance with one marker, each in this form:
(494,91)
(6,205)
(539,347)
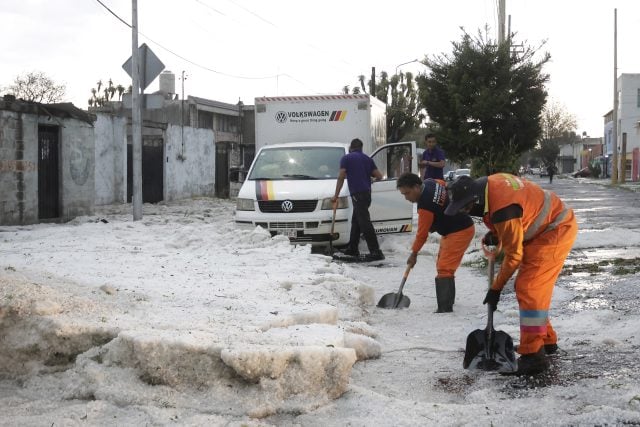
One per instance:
(518,210)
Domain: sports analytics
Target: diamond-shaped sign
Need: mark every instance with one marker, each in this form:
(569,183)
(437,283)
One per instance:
(150,66)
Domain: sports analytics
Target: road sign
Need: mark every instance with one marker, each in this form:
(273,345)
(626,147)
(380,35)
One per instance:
(151,66)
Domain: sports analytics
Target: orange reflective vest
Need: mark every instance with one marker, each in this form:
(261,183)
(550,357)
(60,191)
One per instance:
(518,211)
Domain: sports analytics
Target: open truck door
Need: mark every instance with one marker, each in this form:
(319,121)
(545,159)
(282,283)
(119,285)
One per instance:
(390,212)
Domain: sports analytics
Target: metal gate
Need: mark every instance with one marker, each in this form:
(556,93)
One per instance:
(152,170)
(222,169)
(48,181)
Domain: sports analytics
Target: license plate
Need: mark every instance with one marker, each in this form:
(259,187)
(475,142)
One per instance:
(289,233)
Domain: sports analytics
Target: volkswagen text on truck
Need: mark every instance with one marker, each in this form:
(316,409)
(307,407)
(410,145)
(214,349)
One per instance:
(299,143)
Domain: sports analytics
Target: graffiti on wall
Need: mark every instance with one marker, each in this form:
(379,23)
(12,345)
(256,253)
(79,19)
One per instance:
(78,163)
(17,166)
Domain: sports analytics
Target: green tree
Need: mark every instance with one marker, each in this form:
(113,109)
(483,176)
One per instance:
(486,101)
(36,86)
(100,98)
(400,94)
(557,128)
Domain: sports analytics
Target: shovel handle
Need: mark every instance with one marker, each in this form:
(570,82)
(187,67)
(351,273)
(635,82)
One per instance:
(491,262)
(404,280)
(491,253)
(333,217)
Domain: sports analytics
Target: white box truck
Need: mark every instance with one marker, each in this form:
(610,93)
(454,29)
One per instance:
(299,143)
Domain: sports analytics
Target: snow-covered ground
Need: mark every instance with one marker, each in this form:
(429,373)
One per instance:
(182,319)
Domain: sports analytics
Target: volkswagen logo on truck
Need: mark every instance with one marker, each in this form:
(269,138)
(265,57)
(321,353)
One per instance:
(287,206)
(281,117)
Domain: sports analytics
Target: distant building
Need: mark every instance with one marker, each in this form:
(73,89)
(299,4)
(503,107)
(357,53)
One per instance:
(191,147)
(628,127)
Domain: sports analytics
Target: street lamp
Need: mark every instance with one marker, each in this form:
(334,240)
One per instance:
(405,63)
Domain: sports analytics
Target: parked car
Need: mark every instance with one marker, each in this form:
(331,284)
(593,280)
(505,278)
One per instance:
(455,174)
(534,171)
(460,172)
(582,173)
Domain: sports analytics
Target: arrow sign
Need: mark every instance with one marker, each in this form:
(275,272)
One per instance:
(151,66)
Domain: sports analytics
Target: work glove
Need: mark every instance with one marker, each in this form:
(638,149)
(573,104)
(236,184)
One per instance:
(490,239)
(492,298)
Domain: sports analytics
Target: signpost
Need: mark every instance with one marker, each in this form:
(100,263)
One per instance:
(150,66)
(143,66)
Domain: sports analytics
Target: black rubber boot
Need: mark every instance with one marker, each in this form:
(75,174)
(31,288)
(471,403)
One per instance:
(445,294)
(533,363)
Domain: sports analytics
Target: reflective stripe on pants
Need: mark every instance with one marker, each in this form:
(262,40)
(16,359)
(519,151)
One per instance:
(542,262)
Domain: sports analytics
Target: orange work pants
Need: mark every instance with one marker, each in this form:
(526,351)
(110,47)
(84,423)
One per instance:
(452,249)
(542,262)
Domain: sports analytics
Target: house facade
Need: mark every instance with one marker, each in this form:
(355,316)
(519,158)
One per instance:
(47,162)
(628,128)
(190,147)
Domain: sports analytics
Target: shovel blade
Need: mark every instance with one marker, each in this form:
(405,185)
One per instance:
(394,300)
(497,355)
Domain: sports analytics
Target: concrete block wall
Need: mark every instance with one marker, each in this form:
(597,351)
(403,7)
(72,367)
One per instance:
(18,168)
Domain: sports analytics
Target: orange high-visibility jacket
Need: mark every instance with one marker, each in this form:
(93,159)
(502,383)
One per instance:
(517,210)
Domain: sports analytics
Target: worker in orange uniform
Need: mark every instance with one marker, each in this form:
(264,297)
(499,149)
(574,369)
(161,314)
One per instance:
(456,231)
(536,231)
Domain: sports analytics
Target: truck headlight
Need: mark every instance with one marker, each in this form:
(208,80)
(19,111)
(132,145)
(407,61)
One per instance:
(343,203)
(244,205)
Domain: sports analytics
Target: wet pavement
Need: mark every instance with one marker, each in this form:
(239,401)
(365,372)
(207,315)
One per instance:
(601,278)
(419,379)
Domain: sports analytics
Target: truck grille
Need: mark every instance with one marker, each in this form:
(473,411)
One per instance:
(298,206)
(285,225)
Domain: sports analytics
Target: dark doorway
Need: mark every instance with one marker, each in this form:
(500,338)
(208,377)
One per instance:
(222,169)
(152,170)
(48,188)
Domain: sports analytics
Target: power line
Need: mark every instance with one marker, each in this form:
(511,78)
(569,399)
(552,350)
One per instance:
(254,14)
(188,60)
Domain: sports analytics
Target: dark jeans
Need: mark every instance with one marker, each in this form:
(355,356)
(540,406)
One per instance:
(361,223)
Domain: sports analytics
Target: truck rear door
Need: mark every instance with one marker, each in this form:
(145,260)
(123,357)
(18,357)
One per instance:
(390,212)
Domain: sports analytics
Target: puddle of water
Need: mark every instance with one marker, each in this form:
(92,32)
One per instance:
(603,208)
(594,199)
(602,254)
(584,284)
(588,304)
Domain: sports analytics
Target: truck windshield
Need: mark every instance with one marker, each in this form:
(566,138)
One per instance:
(297,163)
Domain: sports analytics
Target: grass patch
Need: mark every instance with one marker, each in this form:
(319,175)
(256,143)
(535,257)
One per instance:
(619,267)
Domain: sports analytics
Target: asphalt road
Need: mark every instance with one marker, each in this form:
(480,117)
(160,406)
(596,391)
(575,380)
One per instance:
(419,379)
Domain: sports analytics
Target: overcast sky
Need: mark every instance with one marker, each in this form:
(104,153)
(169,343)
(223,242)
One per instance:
(240,49)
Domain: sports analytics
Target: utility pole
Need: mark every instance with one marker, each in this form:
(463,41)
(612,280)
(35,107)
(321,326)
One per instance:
(501,20)
(614,163)
(136,129)
(181,156)
(372,86)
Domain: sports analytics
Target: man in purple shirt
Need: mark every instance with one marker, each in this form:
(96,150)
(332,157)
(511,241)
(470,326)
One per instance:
(358,168)
(432,159)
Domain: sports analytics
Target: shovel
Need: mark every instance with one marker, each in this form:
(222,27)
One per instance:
(488,349)
(332,235)
(393,300)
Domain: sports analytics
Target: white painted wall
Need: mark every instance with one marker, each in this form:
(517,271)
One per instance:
(77,164)
(191,177)
(628,111)
(111,159)
(194,174)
